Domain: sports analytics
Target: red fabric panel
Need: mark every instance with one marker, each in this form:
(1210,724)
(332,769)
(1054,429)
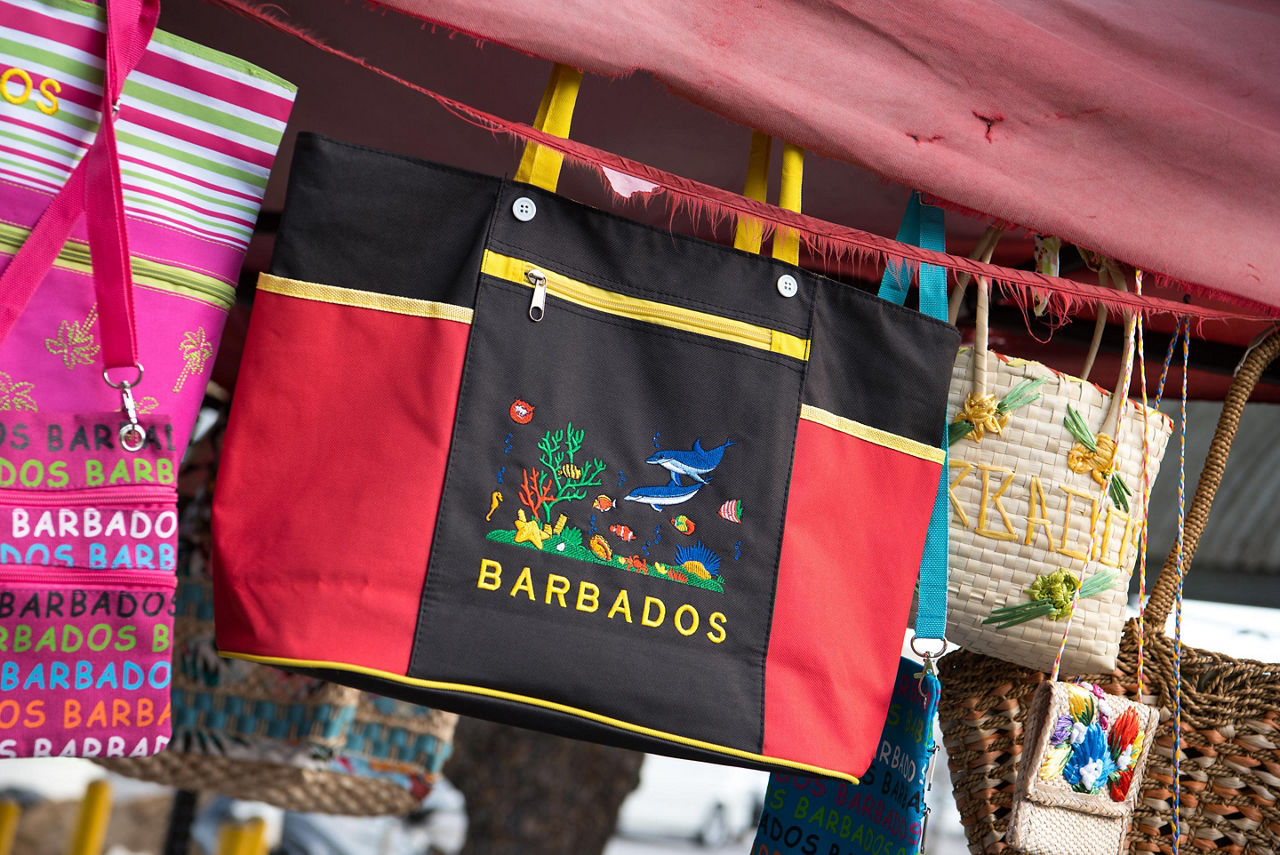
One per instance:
(327,495)
(1145,130)
(844,593)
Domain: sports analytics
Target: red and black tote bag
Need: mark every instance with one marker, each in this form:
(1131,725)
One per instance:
(504,454)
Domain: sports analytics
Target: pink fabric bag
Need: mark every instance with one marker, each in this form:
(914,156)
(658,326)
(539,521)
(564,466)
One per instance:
(125,211)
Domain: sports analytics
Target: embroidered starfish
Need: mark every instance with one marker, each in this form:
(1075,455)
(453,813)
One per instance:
(16,394)
(528,531)
(75,341)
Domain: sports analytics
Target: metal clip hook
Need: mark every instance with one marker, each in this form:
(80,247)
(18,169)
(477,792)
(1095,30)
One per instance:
(132,435)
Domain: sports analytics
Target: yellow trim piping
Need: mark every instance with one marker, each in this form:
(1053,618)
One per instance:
(511,269)
(363,299)
(871,434)
(539,702)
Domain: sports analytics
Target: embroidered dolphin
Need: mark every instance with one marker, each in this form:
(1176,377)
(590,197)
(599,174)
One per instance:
(694,463)
(667,494)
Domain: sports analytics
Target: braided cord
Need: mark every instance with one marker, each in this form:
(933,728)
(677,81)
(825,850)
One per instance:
(1147,406)
(1177,614)
(1146,488)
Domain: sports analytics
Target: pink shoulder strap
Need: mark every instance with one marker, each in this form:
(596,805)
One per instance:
(93,189)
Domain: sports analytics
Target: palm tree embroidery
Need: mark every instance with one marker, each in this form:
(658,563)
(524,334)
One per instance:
(196,350)
(146,405)
(16,394)
(75,341)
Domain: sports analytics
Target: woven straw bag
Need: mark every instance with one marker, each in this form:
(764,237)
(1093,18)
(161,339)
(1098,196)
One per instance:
(255,732)
(1022,502)
(1230,709)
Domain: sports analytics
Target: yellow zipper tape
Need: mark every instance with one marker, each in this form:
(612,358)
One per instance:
(463,688)
(873,435)
(362,299)
(511,269)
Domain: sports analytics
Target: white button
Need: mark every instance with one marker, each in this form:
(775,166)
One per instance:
(524,209)
(787,285)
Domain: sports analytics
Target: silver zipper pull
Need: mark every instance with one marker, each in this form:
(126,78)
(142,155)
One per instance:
(538,307)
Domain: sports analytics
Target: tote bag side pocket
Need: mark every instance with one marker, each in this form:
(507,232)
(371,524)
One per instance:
(864,476)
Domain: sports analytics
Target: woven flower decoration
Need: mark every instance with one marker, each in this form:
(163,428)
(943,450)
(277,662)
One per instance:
(1095,455)
(1092,750)
(982,412)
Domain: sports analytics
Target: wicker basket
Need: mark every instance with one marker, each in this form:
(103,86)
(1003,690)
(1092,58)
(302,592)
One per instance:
(1231,712)
(255,732)
(1025,504)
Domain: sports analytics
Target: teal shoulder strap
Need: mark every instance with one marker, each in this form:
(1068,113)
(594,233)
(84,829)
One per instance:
(922,226)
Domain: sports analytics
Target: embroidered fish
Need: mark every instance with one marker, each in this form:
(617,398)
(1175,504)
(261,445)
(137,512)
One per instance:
(600,547)
(623,532)
(732,510)
(494,501)
(683,524)
(521,412)
(667,494)
(695,463)
(603,503)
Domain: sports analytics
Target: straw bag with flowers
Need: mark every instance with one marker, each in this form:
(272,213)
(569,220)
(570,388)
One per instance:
(1030,451)
(1221,718)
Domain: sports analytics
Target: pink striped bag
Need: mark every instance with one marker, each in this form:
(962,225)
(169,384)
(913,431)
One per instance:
(125,211)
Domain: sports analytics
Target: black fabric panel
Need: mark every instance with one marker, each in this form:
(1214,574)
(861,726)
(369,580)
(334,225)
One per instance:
(635,391)
(623,255)
(360,218)
(880,364)
(525,715)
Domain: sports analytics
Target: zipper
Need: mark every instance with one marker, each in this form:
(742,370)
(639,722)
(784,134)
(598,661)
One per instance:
(544,282)
(74,255)
(94,578)
(538,306)
(88,496)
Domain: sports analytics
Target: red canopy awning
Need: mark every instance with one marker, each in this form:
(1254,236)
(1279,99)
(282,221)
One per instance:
(1146,130)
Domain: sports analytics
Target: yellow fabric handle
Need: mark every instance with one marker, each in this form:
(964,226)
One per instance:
(786,243)
(539,165)
(750,232)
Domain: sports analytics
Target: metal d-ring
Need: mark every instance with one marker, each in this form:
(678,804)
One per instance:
(925,654)
(122,384)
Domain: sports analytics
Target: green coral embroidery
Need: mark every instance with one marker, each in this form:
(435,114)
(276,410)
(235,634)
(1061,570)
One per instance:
(1051,595)
(569,480)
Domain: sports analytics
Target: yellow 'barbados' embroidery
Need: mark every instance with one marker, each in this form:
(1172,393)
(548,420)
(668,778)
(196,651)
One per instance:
(75,341)
(16,395)
(196,349)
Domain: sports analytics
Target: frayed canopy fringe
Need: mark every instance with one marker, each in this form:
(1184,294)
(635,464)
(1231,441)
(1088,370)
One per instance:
(825,238)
